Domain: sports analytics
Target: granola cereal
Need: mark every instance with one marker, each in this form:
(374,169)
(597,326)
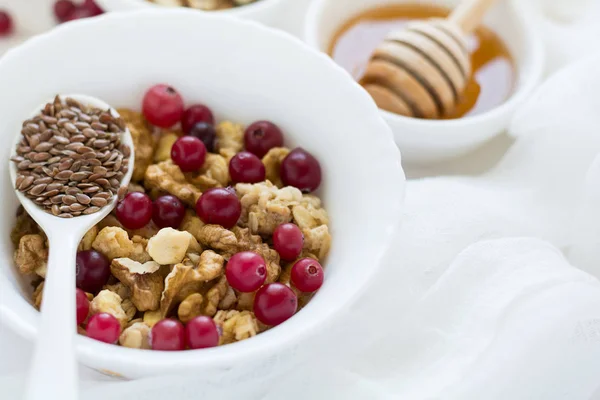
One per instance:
(161,270)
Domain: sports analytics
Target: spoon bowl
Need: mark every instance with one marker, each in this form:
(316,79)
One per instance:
(56,338)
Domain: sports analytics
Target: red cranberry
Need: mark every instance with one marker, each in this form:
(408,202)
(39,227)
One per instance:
(307,275)
(274,303)
(92,7)
(168,211)
(188,153)
(83,306)
(288,241)
(300,169)
(63,9)
(193,115)
(162,106)
(201,332)
(246,271)
(6,24)
(168,335)
(92,270)
(135,210)
(245,167)
(104,327)
(262,136)
(206,133)
(219,206)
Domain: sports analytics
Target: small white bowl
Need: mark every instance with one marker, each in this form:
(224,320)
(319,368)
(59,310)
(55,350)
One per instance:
(425,141)
(265,11)
(272,76)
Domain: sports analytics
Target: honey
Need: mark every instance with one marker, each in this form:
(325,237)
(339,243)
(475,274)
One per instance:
(493,71)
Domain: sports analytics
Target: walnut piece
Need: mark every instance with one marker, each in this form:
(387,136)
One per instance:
(309,213)
(143,280)
(218,238)
(229,300)
(163,148)
(129,308)
(37,295)
(245,301)
(317,241)
(24,225)
(109,302)
(265,206)
(136,336)
(190,307)
(272,162)
(230,137)
(215,295)
(192,224)
(186,279)
(139,252)
(32,255)
(119,288)
(151,318)
(169,246)
(214,173)
(167,177)
(143,142)
(236,325)
(113,242)
(88,239)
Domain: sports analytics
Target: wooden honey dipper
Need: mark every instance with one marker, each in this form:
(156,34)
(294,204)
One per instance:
(422,71)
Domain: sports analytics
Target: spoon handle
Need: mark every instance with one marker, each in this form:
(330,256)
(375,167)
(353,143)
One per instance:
(469,13)
(54,367)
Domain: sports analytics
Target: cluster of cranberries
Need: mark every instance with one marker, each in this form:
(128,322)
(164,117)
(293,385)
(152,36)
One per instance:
(246,271)
(67,10)
(164,107)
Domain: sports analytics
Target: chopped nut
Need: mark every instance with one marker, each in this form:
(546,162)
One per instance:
(215,295)
(25,225)
(317,241)
(167,177)
(180,283)
(214,173)
(120,289)
(309,213)
(143,142)
(151,318)
(129,309)
(144,281)
(88,239)
(192,224)
(169,246)
(265,207)
(32,255)
(218,238)
(109,302)
(272,161)
(113,242)
(229,300)
(230,137)
(236,325)
(211,265)
(139,253)
(187,279)
(163,149)
(37,295)
(136,336)
(245,301)
(190,307)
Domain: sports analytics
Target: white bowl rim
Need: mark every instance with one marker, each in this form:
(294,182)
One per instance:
(256,6)
(267,342)
(536,55)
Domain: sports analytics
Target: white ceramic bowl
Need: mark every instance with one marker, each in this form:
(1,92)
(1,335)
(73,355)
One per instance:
(271,76)
(265,11)
(424,141)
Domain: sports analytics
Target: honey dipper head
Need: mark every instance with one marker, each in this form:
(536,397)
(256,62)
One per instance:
(421,71)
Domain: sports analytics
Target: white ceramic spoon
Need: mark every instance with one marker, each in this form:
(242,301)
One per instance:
(53,371)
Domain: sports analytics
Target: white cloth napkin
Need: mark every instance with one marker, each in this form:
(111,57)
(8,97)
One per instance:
(491,291)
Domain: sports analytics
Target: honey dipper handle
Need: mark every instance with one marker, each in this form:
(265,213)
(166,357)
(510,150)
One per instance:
(469,13)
